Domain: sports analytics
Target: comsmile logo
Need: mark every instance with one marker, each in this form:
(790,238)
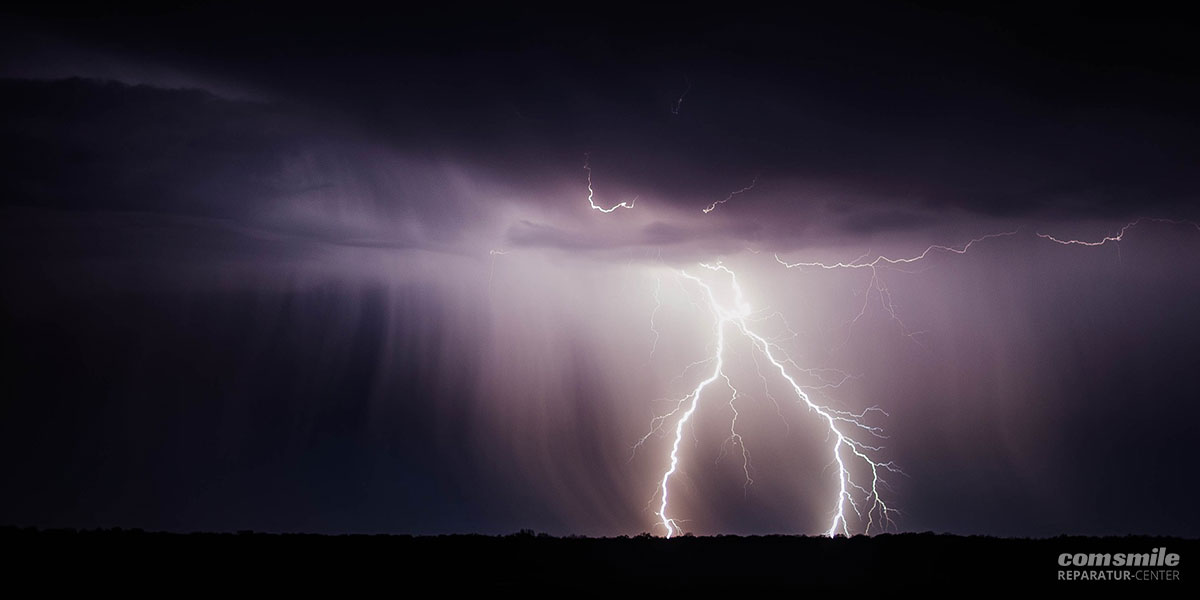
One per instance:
(1146,566)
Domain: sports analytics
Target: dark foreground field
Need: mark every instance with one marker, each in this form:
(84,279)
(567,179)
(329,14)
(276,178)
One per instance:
(394,565)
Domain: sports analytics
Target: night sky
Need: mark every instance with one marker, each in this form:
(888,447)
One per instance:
(336,271)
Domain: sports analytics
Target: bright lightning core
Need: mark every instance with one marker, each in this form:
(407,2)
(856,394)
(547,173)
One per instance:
(733,317)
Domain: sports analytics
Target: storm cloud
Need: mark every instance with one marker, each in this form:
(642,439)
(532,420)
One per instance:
(285,271)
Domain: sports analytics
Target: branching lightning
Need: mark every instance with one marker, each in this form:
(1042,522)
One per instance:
(591,193)
(876,283)
(847,452)
(859,471)
(735,440)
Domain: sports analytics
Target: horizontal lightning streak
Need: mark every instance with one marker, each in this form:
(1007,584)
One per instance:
(883,260)
(876,283)
(1120,234)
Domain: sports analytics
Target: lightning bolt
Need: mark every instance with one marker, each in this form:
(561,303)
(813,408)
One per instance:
(1120,234)
(847,451)
(657,305)
(591,193)
(679,101)
(735,440)
(492,270)
(876,283)
(713,206)
(859,473)
(864,499)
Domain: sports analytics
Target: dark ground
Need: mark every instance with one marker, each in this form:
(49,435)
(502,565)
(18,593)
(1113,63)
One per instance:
(133,560)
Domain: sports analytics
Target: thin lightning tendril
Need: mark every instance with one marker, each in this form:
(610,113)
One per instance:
(1120,234)
(591,193)
(883,260)
(657,305)
(679,101)
(876,283)
(735,440)
(713,206)
(492,270)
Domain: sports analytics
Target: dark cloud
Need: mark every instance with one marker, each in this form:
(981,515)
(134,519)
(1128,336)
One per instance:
(870,222)
(104,145)
(88,145)
(988,111)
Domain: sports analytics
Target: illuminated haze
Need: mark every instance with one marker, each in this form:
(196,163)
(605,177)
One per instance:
(342,274)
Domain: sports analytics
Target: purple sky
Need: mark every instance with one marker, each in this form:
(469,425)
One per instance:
(339,272)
